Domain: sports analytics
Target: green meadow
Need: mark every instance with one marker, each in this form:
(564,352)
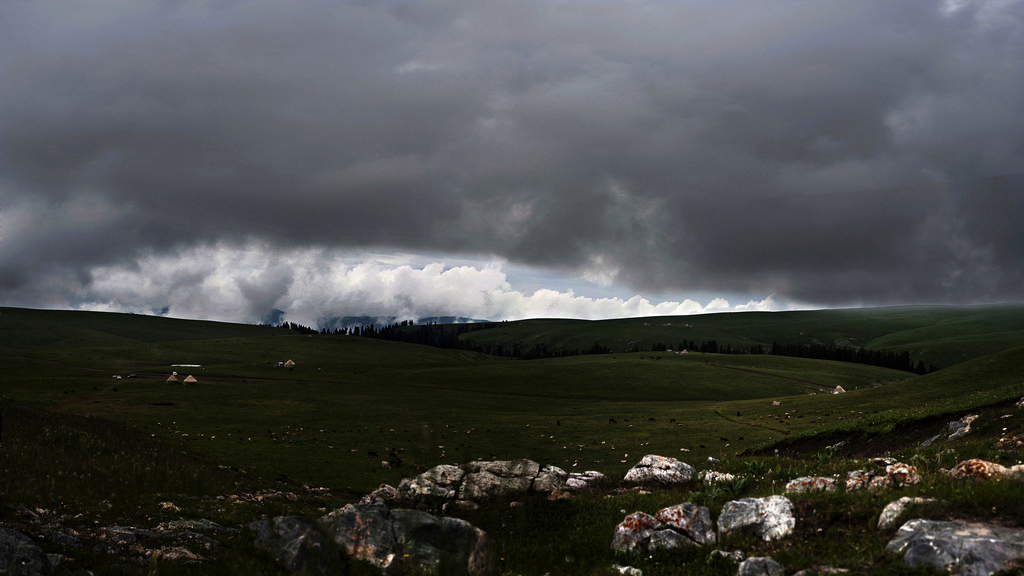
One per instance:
(349,402)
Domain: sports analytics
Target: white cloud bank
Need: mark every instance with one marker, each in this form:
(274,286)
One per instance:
(245,283)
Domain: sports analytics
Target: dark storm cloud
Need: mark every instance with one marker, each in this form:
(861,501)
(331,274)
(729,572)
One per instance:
(832,152)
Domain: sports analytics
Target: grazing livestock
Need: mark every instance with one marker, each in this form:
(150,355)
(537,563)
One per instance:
(371,453)
(612,421)
(385,464)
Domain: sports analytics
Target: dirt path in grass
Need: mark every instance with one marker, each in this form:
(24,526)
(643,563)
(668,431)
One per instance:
(798,381)
(751,424)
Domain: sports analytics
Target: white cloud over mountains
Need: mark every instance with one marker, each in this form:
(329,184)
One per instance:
(245,283)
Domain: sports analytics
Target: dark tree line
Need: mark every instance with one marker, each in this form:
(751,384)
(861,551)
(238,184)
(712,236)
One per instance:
(881,358)
(448,336)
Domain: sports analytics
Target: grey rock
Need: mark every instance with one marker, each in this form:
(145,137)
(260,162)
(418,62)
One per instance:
(62,539)
(549,479)
(583,480)
(768,518)
(366,532)
(665,540)
(820,570)
(929,442)
(735,555)
(385,493)
(300,545)
(20,556)
(759,566)
(433,488)
(410,541)
(190,536)
(660,469)
(487,480)
(119,535)
(893,510)
(445,545)
(689,520)
(972,549)
(959,428)
(203,524)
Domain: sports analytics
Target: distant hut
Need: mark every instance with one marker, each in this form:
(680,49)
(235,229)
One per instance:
(289,364)
(191,380)
(172,379)
(839,390)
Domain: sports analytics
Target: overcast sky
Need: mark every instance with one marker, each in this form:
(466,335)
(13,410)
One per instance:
(509,158)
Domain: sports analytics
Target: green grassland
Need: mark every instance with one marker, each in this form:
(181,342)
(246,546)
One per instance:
(249,423)
(936,334)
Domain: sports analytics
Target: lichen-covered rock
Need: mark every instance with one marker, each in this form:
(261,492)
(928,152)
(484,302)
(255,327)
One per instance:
(768,518)
(806,484)
(902,475)
(681,525)
(366,533)
(971,549)
(300,545)
(443,545)
(20,556)
(634,532)
(660,469)
(858,479)
(689,520)
(976,469)
(759,566)
(896,476)
(893,510)
(583,480)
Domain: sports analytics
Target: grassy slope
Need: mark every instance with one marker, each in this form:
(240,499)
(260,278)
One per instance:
(349,394)
(344,388)
(943,335)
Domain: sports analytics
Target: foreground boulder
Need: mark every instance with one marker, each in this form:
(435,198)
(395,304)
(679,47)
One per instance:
(768,518)
(485,480)
(298,543)
(971,549)
(445,484)
(443,545)
(366,532)
(660,470)
(432,489)
(681,525)
(411,541)
(20,556)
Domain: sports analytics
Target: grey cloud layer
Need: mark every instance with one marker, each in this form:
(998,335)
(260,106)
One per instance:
(716,145)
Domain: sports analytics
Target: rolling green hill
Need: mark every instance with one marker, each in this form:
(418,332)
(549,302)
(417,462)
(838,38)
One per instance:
(117,449)
(942,335)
